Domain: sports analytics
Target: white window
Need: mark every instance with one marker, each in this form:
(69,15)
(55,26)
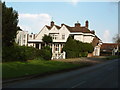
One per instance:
(63,36)
(54,36)
(24,36)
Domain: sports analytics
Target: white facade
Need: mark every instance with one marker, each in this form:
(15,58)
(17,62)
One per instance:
(59,36)
(21,38)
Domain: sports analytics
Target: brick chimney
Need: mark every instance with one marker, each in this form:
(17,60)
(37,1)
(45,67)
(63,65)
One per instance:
(77,24)
(52,23)
(86,24)
(62,24)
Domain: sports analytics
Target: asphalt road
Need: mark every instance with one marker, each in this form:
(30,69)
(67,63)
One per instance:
(103,75)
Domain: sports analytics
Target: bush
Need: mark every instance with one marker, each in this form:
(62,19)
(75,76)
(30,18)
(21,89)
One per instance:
(83,54)
(71,54)
(75,48)
(19,53)
(46,53)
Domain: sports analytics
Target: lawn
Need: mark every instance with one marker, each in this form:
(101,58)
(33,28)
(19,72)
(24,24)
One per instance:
(33,67)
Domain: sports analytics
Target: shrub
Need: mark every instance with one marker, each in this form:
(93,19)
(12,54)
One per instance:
(19,53)
(71,54)
(83,54)
(75,48)
(46,53)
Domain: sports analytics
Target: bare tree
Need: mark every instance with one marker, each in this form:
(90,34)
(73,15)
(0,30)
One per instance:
(116,39)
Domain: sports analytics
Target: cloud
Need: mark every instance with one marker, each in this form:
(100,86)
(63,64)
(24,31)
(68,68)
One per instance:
(74,2)
(106,36)
(33,22)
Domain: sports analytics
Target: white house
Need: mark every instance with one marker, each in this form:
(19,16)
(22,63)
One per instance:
(22,38)
(60,35)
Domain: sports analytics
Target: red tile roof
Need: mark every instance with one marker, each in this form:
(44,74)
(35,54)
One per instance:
(108,46)
(78,29)
(74,29)
(48,27)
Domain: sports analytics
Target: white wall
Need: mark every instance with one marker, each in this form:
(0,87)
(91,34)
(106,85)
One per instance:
(21,38)
(78,37)
(41,33)
(62,31)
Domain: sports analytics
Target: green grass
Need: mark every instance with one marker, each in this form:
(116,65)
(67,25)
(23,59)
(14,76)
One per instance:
(33,67)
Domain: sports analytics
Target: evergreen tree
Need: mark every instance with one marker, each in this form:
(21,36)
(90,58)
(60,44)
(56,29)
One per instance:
(75,48)
(47,39)
(9,25)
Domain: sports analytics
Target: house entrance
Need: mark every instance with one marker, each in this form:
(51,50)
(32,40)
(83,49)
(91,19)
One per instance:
(37,46)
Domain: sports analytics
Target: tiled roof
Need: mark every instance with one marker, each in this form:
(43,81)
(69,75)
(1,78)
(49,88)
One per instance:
(109,46)
(78,29)
(73,29)
(58,27)
(48,27)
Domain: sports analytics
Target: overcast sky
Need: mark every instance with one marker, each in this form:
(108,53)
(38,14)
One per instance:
(102,16)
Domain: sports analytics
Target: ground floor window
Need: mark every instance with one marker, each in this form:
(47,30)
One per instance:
(57,47)
(37,46)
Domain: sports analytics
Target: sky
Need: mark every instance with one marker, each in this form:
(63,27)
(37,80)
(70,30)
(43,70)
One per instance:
(102,16)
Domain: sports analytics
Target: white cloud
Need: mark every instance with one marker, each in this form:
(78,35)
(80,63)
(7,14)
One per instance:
(74,2)
(33,22)
(106,36)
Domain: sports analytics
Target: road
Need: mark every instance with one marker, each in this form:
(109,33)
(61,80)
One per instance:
(103,75)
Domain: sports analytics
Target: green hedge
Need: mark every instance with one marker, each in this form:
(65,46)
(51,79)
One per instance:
(46,53)
(71,54)
(75,48)
(19,53)
(83,54)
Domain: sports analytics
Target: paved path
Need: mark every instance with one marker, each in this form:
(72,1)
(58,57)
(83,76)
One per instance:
(104,75)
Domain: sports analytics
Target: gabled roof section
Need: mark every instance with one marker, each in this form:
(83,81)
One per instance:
(78,29)
(58,27)
(49,27)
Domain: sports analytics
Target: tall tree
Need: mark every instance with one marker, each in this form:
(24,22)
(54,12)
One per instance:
(9,25)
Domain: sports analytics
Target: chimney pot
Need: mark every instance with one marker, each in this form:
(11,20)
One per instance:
(52,23)
(62,24)
(86,24)
(77,24)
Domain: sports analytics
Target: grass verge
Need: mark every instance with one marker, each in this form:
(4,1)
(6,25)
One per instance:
(33,67)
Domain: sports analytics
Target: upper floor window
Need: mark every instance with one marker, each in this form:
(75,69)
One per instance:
(54,36)
(24,36)
(63,36)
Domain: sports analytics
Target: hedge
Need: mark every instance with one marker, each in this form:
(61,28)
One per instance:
(75,48)
(19,53)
